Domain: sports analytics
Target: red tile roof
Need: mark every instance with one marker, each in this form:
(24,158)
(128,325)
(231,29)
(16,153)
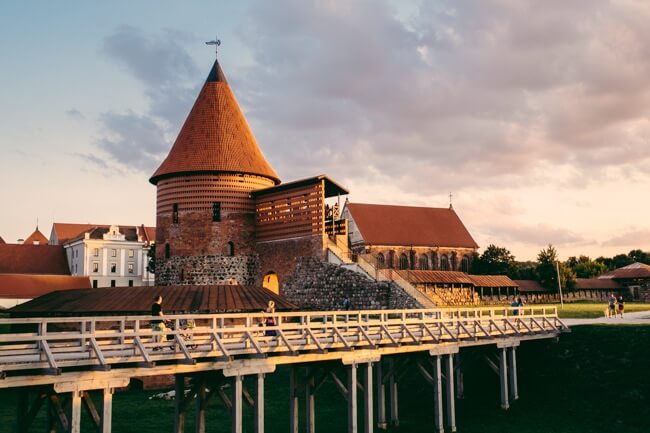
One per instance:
(36,238)
(530,286)
(23,286)
(138,300)
(597,283)
(33,259)
(408,225)
(454,277)
(633,271)
(215,137)
(66,231)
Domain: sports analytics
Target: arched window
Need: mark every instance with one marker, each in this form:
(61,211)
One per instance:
(391,259)
(423,263)
(230,249)
(464,264)
(454,261)
(434,260)
(412,260)
(381,261)
(403,261)
(444,263)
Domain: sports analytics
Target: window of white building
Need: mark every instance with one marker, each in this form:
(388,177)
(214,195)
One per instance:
(95,266)
(130,268)
(96,252)
(113,252)
(113,267)
(131,253)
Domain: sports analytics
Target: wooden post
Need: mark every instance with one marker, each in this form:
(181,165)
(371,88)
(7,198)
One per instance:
(179,389)
(449,388)
(237,386)
(105,424)
(199,425)
(310,414)
(259,404)
(503,378)
(437,395)
(74,419)
(392,393)
(381,398)
(352,398)
(293,400)
(367,400)
(512,370)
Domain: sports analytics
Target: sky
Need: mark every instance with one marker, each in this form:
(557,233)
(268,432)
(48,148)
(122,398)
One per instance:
(533,115)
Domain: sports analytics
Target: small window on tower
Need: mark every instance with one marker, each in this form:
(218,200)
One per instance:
(230,249)
(216,211)
(175,213)
(167,251)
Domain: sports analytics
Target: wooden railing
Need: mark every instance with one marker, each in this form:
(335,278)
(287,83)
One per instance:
(53,344)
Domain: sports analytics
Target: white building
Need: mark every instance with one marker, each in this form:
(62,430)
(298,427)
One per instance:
(111,256)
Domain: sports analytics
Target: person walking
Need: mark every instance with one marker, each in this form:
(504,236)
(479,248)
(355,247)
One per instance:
(157,325)
(621,305)
(611,305)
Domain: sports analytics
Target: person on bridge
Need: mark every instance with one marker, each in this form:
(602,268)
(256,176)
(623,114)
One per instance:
(270,320)
(157,325)
(515,303)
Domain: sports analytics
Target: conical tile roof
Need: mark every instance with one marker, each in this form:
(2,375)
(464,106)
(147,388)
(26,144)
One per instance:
(215,137)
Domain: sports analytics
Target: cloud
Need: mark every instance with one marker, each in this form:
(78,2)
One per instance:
(638,238)
(167,74)
(498,91)
(538,235)
(75,114)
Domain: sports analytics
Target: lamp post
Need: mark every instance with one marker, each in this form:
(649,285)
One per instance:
(559,283)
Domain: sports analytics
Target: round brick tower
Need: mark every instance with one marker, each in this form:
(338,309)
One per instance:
(205,216)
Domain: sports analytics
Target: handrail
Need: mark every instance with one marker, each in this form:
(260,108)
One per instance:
(55,343)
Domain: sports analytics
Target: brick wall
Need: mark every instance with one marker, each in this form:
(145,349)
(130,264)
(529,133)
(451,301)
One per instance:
(317,285)
(281,256)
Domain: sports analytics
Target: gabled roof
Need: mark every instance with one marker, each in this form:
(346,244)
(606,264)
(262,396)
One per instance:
(409,225)
(36,238)
(597,283)
(633,271)
(531,286)
(138,300)
(23,286)
(33,259)
(332,188)
(215,137)
(65,232)
(492,281)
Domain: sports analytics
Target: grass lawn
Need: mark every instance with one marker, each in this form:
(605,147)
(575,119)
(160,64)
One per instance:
(595,379)
(588,310)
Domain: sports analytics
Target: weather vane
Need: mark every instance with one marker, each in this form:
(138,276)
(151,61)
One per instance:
(450,205)
(216,44)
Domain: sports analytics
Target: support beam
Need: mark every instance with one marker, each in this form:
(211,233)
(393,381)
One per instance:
(352,398)
(237,401)
(179,389)
(201,403)
(512,373)
(293,400)
(74,417)
(381,398)
(368,421)
(437,396)
(449,392)
(259,403)
(503,377)
(107,411)
(310,407)
(392,393)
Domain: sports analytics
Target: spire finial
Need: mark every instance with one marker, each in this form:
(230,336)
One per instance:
(450,205)
(216,42)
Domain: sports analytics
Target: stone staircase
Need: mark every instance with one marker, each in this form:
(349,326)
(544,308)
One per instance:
(361,264)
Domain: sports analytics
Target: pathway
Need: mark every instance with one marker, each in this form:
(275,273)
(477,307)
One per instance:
(636,318)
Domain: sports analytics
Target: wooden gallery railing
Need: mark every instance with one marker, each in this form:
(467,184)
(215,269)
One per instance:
(53,344)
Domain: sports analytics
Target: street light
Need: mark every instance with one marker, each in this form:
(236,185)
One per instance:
(559,283)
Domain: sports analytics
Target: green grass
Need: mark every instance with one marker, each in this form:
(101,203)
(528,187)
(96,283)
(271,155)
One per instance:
(595,379)
(590,310)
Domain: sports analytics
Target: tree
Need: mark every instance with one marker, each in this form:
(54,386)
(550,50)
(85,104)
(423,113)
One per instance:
(639,256)
(494,261)
(547,272)
(151,254)
(584,267)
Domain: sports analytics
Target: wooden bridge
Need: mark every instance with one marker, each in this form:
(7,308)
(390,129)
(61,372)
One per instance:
(59,360)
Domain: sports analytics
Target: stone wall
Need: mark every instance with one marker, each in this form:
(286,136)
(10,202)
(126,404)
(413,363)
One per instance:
(280,256)
(316,285)
(203,270)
